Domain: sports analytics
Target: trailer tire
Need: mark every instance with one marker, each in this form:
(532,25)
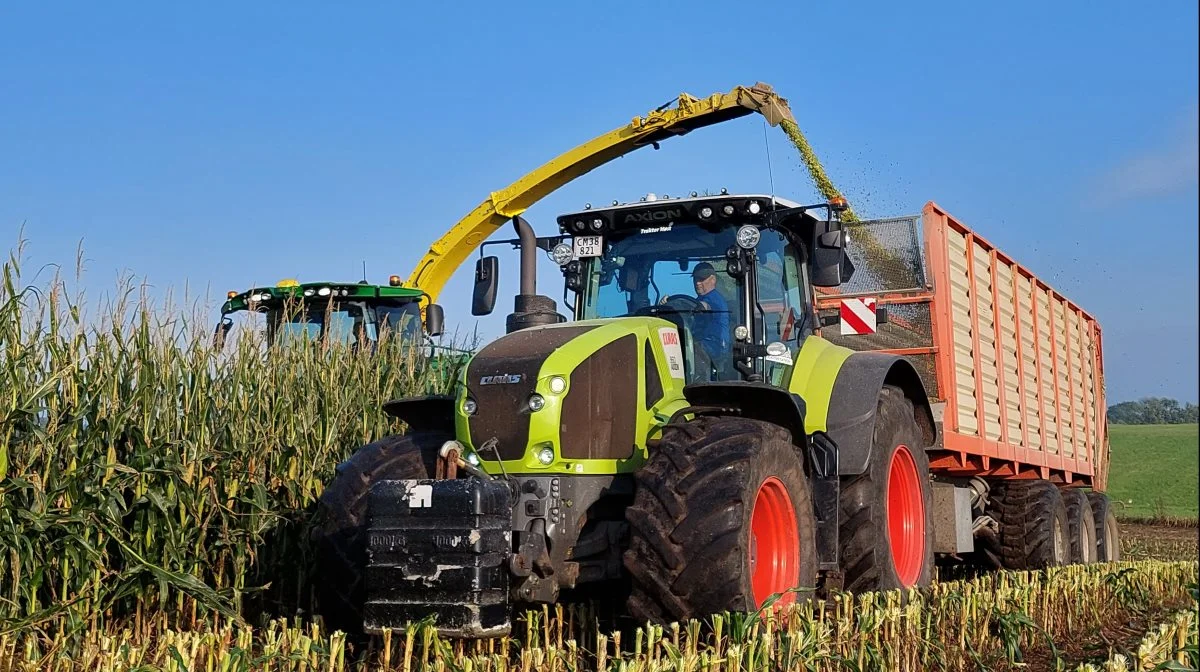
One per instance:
(886,513)
(1034,529)
(341,517)
(1108,536)
(717,496)
(1082,526)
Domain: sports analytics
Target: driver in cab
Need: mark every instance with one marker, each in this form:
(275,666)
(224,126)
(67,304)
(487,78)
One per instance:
(712,325)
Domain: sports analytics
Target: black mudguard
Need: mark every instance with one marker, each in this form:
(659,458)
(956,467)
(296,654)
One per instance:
(855,397)
(758,401)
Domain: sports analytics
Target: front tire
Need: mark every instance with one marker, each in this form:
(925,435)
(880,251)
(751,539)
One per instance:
(886,519)
(721,520)
(341,518)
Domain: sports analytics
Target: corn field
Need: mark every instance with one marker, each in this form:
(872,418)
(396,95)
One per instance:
(144,475)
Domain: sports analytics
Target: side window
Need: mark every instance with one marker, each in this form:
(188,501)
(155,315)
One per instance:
(795,327)
(779,295)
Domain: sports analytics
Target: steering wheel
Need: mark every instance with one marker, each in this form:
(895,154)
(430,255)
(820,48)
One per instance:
(682,303)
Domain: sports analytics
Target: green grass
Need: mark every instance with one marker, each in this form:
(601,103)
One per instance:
(1154,469)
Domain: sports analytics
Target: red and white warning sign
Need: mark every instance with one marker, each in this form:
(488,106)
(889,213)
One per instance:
(858,316)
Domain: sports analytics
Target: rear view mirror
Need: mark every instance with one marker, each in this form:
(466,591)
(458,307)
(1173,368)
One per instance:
(219,334)
(828,258)
(483,299)
(435,320)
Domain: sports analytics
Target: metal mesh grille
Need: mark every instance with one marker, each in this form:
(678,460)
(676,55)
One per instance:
(889,262)
(886,254)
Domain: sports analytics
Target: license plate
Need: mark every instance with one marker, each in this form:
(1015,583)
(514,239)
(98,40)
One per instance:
(589,246)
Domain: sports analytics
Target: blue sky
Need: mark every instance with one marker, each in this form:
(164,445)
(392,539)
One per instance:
(239,143)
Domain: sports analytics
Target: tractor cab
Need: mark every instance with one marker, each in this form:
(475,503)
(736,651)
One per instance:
(354,314)
(735,274)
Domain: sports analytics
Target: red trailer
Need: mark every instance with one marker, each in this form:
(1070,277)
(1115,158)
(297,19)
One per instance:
(1013,368)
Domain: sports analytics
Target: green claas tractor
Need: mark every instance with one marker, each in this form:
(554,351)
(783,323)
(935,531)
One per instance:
(686,441)
(351,313)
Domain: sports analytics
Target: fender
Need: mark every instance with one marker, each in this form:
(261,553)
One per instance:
(854,399)
(757,401)
(430,412)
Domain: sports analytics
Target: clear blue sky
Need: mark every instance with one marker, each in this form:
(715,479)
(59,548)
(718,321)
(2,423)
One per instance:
(225,144)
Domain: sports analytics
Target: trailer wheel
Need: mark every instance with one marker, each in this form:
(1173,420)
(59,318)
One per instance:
(1034,528)
(721,520)
(341,518)
(886,522)
(1082,526)
(1108,537)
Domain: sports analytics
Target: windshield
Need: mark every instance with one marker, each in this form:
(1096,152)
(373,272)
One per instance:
(680,274)
(339,322)
(348,321)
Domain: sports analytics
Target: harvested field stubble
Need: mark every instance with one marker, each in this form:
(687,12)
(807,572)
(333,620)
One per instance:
(986,623)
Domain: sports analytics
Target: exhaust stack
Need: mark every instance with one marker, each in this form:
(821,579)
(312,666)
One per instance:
(530,309)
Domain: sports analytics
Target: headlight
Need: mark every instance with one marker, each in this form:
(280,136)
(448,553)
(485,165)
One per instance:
(536,402)
(747,237)
(562,254)
(546,455)
(469,407)
(741,333)
(473,459)
(558,384)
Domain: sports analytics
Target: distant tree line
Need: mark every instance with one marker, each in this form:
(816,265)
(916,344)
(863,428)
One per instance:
(1153,411)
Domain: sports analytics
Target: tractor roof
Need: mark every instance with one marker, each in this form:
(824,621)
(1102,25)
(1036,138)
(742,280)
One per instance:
(653,211)
(347,291)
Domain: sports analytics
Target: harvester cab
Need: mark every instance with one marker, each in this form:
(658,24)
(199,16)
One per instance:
(351,313)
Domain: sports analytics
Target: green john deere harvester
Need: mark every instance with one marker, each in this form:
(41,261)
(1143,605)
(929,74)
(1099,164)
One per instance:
(686,441)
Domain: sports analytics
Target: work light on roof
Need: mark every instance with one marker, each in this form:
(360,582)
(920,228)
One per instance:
(562,254)
(324,291)
(754,208)
(728,209)
(747,237)
(706,212)
(597,225)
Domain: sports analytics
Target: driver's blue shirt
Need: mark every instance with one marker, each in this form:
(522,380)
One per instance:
(712,325)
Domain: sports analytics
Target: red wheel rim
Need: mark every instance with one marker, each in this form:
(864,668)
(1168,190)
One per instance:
(774,543)
(905,516)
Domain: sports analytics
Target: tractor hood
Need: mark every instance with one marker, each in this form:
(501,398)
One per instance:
(580,397)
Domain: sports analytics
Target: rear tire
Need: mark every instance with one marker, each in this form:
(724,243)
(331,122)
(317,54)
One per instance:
(1108,537)
(1034,530)
(717,499)
(886,519)
(1082,526)
(338,532)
